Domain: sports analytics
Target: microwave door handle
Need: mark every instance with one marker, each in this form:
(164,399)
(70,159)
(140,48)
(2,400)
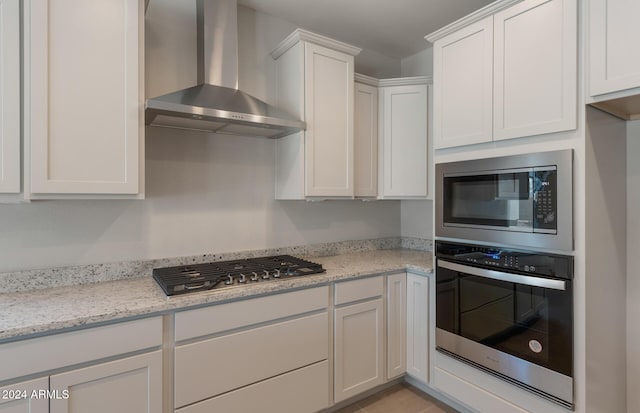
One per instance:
(505,276)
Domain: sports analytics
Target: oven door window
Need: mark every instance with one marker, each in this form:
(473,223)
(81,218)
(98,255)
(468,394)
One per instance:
(531,323)
(502,200)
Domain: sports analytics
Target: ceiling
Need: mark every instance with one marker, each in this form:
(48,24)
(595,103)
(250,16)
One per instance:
(395,28)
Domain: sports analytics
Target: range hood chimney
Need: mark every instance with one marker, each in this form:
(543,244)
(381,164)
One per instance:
(216,104)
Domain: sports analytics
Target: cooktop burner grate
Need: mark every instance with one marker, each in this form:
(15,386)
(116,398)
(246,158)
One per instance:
(198,277)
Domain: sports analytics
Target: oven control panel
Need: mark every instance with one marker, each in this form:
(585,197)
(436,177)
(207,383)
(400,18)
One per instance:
(506,259)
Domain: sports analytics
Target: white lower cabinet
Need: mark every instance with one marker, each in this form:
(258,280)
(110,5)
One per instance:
(16,398)
(358,337)
(288,392)
(418,327)
(130,385)
(267,354)
(396,325)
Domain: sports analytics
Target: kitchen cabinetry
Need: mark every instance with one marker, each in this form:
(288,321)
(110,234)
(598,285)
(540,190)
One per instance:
(358,337)
(463,83)
(127,384)
(396,325)
(83,91)
(130,385)
(403,138)
(366,137)
(614,66)
(16,398)
(247,339)
(316,83)
(533,72)
(10,96)
(418,327)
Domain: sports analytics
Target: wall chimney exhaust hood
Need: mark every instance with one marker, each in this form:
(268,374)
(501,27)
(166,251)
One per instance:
(215,104)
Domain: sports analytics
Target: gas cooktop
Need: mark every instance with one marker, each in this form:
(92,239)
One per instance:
(198,277)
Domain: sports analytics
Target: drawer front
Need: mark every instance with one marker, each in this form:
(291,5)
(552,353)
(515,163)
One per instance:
(219,318)
(20,358)
(349,291)
(471,395)
(208,368)
(302,391)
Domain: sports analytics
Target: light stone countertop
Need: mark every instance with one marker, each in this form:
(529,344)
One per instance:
(38,312)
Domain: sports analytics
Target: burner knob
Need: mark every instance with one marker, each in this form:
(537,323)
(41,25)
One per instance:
(277,273)
(243,279)
(266,274)
(254,276)
(229,280)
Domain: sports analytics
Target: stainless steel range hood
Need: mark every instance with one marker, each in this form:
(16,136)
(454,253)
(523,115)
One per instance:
(216,104)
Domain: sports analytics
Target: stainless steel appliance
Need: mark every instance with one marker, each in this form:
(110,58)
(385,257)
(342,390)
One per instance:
(215,104)
(508,312)
(523,200)
(198,277)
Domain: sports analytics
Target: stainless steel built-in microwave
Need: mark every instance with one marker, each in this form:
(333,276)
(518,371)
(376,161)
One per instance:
(522,200)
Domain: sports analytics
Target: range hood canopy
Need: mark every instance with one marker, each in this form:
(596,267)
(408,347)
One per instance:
(216,104)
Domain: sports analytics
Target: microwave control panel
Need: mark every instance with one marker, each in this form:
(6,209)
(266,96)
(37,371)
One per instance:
(544,200)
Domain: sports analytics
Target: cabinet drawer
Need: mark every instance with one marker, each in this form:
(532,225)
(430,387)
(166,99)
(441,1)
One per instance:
(471,395)
(349,291)
(208,368)
(20,358)
(301,391)
(219,318)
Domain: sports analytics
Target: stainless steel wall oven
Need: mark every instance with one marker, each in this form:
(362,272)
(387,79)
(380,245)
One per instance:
(523,200)
(509,312)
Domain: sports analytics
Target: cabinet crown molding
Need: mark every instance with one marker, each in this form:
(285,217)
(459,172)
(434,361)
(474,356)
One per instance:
(397,81)
(478,15)
(300,35)
(405,81)
(366,80)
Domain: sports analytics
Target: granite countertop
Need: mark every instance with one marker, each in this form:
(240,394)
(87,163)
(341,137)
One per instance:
(37,312)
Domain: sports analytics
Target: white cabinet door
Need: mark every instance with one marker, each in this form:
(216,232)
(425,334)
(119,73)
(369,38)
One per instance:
(358,348)
(83,111)
(17,398)
(131,385)
(396,325)
(614,63)
(366,140)
(329,116)
(418,327)
(9,96)
(535,72)
(404,141)
(462,84)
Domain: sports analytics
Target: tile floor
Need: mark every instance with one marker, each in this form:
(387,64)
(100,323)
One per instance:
(400,398)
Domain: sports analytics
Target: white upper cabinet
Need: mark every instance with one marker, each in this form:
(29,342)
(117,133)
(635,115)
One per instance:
(462,86)
(315,81)
(614,60)
(535,68)
(365,139)
(84,128)
(403,138)
(9,96)
(506,72)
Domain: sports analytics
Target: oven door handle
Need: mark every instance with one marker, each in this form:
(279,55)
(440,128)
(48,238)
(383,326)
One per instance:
(505,276)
